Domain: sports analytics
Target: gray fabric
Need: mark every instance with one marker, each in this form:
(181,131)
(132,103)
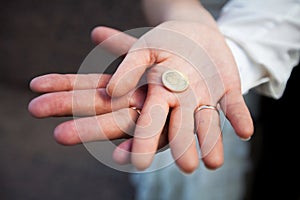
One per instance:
(214,6)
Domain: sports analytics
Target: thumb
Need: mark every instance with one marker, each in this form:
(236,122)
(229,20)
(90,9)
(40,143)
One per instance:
(112,40)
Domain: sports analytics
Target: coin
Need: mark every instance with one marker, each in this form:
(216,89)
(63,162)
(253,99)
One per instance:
(175,81)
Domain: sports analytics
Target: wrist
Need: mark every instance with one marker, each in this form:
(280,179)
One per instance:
(159,11)
(196,13)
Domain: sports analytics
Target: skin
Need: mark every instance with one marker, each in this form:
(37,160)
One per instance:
(213,80)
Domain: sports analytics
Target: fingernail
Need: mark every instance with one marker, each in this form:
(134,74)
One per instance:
(246,139)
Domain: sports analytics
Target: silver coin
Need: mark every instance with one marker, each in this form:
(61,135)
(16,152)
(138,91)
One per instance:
(175,81)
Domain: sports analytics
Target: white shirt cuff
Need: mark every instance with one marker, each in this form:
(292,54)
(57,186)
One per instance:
(251,74)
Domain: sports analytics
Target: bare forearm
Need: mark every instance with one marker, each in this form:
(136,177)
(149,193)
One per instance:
(158,11)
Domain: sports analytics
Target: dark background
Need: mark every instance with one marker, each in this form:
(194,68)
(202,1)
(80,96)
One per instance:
(275,146)
(40,37)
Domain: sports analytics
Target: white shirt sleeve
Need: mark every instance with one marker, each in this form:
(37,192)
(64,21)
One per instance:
(264,36)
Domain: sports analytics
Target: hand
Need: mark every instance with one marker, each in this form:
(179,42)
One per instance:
(66,133)
(200,53)
(92,104)
(60,97)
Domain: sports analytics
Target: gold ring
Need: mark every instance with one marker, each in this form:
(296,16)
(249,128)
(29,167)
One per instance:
(202,107)
(175,81)
(136,109)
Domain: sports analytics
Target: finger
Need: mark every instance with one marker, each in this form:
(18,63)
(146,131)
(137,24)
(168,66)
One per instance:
(67,82)
(148,130)
(182,139)
(210,138)
(119,124)
(82,103)
(237,112)
(112,40)
(129,72)
(122,153)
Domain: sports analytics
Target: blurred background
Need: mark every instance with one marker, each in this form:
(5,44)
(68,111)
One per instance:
(39,37)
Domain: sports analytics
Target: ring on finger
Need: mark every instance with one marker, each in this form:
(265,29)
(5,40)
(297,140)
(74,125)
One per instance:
(136,109)
(211,107)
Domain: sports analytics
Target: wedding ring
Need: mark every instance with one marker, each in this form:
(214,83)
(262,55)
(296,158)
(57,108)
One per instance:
(136,109)
(175,81)
(199,108)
